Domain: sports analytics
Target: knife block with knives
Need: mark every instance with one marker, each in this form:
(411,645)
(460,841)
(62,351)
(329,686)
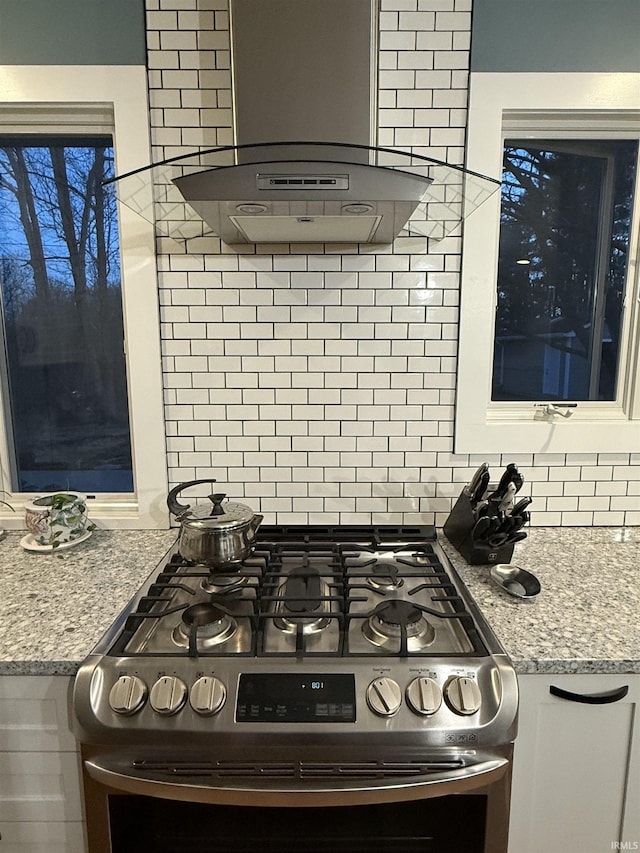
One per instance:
(485,524)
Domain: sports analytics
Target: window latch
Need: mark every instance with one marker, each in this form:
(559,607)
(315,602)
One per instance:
(550,411)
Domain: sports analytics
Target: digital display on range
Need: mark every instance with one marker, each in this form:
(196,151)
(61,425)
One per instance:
(296,698)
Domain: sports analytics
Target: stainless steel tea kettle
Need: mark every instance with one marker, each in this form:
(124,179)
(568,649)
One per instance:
(217,535)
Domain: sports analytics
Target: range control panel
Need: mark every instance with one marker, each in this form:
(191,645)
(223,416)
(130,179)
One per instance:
(303,696)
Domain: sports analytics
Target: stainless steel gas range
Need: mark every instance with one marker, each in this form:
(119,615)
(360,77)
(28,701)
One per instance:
(335,669)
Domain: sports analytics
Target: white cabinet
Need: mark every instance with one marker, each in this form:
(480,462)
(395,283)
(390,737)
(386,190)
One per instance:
(576,766)
(40,805)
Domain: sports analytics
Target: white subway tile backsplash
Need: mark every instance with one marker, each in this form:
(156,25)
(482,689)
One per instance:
(423,59)
(320,381)
(612,519)
(447,136)
(594,504)
(389,79)
(581,488)
(391,39)
(446,20)
(612,487)
(417,21)
(626,472)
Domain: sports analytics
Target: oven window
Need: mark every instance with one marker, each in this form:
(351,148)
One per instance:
(453,824)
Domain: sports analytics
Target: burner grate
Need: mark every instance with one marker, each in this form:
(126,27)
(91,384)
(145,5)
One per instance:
(308,592)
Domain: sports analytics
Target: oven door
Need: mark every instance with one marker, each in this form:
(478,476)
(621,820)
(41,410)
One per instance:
(453,811)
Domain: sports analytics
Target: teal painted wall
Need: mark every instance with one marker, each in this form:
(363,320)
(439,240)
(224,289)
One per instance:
(555,35)
(72,32)
(508,35)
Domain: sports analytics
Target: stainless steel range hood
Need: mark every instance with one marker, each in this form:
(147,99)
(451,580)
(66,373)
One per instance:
(304,71)
(304,200)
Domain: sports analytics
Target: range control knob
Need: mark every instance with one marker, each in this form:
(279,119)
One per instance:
(424,696)
(168,695)
(207,695)
(128,695)
(384,696)
(463,695)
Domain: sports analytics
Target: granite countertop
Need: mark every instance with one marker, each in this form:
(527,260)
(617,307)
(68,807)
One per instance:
(56,607)
(587,616)
(584,620)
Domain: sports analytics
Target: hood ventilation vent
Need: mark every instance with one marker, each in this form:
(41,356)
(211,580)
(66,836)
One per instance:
(303,200)
(273,196)
(306,72)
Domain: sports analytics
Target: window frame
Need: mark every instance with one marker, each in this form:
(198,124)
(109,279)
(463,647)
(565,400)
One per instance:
(530,106)
(111,99)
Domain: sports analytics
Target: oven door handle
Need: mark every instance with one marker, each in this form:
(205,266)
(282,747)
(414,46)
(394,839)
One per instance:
(305,793)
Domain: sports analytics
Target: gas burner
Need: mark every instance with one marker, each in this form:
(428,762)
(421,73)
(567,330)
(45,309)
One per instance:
(415,559)
(302,601)
(223,584)
(212,626)
(393,620)
(381,568)
(384,572)
(384,583)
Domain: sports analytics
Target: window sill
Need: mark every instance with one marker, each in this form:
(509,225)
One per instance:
(515,433)
(107,516)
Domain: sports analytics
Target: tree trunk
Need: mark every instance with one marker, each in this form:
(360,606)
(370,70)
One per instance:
(75,243)
(30,223)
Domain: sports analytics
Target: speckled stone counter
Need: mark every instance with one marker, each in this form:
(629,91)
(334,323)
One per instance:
(587,616)
(54,608)
(586,619)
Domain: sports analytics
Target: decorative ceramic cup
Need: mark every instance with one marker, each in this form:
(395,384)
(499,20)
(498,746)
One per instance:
(57,518)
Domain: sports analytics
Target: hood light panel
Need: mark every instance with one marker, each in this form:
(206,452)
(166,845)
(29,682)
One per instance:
(307,229)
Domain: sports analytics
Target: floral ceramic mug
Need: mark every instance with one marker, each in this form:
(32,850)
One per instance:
(57,518)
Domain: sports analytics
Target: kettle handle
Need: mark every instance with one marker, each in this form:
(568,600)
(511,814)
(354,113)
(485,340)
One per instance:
(179,509)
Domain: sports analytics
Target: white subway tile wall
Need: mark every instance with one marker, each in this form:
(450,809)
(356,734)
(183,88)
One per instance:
(318,382)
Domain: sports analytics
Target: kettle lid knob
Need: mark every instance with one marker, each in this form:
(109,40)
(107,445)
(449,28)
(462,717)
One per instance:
(216,500)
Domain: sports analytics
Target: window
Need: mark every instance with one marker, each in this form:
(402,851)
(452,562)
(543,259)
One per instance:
(565,225)
(80,388)
(64,378)
(548,356)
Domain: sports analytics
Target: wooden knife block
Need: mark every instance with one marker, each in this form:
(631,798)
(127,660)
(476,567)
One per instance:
(457,529)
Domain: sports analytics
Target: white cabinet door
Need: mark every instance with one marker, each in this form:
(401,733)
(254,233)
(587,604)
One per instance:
(42,837)
(40,800)
(572,778)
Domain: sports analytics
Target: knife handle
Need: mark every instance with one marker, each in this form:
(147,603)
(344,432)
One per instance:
(481,488)
(506,504)
(520,507)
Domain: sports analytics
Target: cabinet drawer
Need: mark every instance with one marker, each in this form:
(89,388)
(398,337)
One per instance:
(39,787)
(42,837)
(34,714)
